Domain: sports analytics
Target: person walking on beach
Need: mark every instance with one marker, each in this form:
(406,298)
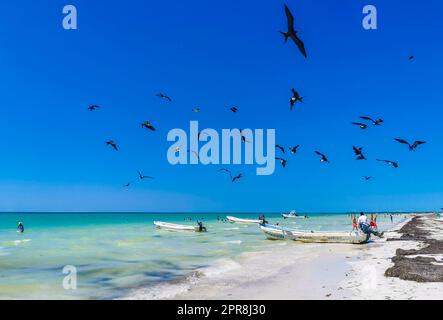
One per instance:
(366,228)
(392,219)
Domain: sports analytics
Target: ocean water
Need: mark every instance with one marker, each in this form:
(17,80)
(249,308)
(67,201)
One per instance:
(115,254)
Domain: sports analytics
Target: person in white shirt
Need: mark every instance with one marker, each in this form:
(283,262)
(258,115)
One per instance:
(362,219)
(365,227)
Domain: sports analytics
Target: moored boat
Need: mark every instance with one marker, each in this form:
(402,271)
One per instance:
(178,227)
(293,215)
(243,221)
(279,233)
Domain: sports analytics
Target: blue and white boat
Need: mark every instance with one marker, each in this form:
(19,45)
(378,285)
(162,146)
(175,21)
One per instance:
(274,232)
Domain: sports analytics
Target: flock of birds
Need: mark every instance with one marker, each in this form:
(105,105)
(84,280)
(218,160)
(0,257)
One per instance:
(364,123)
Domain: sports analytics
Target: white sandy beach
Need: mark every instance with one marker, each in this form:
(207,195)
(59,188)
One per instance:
(314,271)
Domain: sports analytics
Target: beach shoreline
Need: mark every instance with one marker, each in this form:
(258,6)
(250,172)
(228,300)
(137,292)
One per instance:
(311,272)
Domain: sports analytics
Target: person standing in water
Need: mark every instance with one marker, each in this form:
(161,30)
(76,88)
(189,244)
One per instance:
(20,227)
(354,223)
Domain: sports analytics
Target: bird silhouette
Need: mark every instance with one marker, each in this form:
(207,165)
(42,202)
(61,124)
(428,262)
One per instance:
(196,110)
(93,107)
(164,96)
(367,178)
(237,177)
(142,177)
(280,148)
(361,125)
(295,98)
(282,161)
(294,149)
(391,163)
(374,122)
(233,178)
(291,33)
(359,153)
(112,144)
(323,159)
(243,137)
(412,147)
(148,125)
(233,109)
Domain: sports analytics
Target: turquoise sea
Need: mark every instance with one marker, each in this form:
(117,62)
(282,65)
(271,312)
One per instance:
(119,252)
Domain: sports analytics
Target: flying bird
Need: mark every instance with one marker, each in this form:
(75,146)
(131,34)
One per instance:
(142,177)
(291,33)
(243,137)
(282,161)
(164,96)
(127,185)
(196,110)
(374,122)
(233,179)
(361,125)
(148,125)
(367,178)
(412,147)
(295,98)
(294,149)
(323,159)
(391,163)
(93,107)
(359,153)
(280,148)
(233,109)
(411,58)
(112,144)
(237,177)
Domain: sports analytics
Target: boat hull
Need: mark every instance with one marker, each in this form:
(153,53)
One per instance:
(279,233)
(243,221)
(176,227)
(288,216)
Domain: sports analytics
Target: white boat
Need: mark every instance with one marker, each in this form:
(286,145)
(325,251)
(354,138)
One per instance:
(279,233)
(177,227)
(292,215)
(243,221)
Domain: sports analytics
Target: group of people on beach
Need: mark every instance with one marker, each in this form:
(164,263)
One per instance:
(366,227)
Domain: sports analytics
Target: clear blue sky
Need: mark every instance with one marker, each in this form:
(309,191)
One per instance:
(215,54)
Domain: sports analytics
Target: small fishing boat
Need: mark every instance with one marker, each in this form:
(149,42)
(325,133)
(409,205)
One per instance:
(243,221)
(279,233)
(292,215)
(178,227)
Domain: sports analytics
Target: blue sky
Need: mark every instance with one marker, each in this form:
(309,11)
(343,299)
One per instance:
(215,55)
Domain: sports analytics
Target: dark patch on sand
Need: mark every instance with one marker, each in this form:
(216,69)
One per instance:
(419,269)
